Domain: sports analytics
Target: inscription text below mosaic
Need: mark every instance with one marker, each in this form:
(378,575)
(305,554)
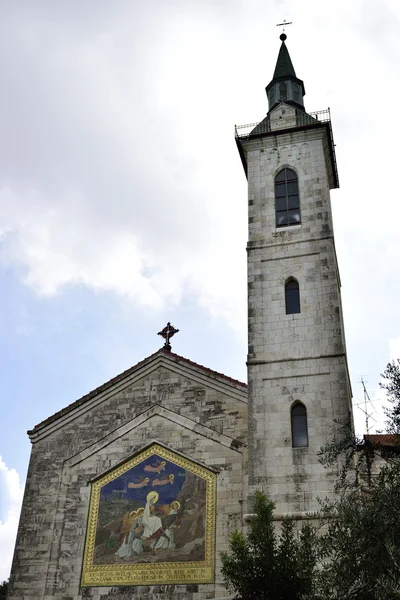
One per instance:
(152,520)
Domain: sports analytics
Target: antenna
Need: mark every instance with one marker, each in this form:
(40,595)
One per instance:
(367,399)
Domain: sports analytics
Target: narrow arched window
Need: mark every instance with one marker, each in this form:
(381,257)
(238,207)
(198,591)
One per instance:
(299,426)
(292,297)
(287,201)
(283,91)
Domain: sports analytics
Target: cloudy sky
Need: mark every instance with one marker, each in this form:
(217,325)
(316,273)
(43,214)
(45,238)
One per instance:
(123,199)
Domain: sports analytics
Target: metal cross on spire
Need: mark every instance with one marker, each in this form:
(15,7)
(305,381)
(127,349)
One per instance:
(167,334)
(283,34)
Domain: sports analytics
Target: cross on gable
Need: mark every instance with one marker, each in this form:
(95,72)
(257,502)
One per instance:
(167,333)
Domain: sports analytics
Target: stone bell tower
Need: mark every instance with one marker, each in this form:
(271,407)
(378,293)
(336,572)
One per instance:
(298,377)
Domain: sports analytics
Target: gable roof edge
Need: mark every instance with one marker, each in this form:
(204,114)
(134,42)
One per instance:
(140,370)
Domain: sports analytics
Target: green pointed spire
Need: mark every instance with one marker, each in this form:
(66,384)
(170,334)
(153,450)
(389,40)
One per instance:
(285,85)
(284,66)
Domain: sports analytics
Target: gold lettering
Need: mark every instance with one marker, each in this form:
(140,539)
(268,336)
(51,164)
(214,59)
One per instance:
(147,575)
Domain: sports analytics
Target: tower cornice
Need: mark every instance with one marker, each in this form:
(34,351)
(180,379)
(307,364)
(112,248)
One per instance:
(316,121)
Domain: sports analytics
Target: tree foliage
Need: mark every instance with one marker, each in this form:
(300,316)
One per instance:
(3,590)
(355,456)
(356,555)
(360,549)
(391,383)
(266,566)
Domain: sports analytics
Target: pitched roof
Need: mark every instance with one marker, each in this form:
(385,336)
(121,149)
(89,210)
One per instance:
(102,388)
(383,439)
(284,66)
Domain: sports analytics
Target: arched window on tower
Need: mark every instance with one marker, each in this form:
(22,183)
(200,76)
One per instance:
(298,418)
(287,201)
(292,297)
(283,91)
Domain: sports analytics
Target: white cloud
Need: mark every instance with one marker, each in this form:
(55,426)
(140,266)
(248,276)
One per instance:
(119,189)
(59,246)
(128,177)
(119,170)
(11,492)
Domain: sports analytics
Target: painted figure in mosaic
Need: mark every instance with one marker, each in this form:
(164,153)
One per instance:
(157,467)
(152,523)
(124,549)
(136,533)
(130,526)
(163,480)
(153,512)
(166,539)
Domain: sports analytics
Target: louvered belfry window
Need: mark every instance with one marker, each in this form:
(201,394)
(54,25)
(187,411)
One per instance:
(296,92)
(283,91)
(287,201)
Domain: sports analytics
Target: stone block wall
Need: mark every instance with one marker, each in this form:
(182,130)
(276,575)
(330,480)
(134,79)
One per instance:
(293,357)
(205,422)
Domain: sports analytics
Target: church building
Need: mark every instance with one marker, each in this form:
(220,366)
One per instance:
(133,489)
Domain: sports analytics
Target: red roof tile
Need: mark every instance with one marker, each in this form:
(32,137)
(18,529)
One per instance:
(383,439)
(121,376)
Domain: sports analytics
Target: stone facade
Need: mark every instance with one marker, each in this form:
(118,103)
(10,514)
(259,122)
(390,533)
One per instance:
(200,414)
(293,357)
(190,410)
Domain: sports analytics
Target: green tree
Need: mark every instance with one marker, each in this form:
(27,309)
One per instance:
(356,555)
(355,456)
(391,383)
(359,551)
(264,565)
(3,590)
